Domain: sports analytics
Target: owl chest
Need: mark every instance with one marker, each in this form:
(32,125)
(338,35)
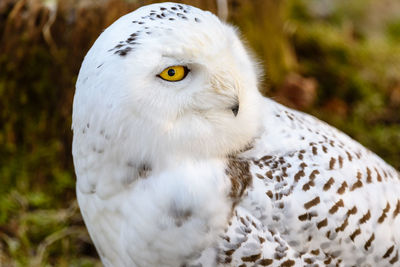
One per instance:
(165,219)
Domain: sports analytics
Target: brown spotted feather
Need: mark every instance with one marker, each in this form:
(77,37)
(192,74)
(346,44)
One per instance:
(321,200)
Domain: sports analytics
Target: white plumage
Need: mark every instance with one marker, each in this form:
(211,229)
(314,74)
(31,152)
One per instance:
(204,171)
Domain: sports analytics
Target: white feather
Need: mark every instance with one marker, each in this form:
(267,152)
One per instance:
(159,169)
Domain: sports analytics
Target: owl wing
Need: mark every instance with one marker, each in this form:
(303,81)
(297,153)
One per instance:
(249,243)
(316,196)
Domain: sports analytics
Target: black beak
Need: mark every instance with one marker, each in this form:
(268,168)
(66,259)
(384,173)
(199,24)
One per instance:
(235,109)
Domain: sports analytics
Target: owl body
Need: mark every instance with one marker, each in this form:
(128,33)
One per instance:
(204,171)
(329,199)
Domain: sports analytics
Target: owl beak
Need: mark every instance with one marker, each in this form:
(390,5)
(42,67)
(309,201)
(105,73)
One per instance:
(235,109)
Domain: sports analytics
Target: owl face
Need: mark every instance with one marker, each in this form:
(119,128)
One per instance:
(169,79)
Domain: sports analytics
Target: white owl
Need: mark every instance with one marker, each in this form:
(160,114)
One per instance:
(181,162)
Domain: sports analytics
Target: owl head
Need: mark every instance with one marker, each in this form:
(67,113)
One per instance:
(164,82)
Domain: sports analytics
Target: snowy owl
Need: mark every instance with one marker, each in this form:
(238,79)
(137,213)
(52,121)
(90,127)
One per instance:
(181,162)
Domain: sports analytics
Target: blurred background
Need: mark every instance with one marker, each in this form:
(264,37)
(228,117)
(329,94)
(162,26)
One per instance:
(336,59)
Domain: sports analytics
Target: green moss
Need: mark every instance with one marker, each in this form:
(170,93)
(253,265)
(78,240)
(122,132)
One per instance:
(354,64)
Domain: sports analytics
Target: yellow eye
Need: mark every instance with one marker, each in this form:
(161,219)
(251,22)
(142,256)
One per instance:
(174,73)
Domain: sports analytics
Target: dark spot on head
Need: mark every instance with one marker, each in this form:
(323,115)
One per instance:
(116,47)
(135,21)
(158,16)
(141,22)
(171,19)
(198,20)
(173,8)
(100,65)
(162,8)
(123,52)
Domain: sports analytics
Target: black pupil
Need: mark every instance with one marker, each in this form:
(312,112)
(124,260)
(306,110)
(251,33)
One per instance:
(171,72)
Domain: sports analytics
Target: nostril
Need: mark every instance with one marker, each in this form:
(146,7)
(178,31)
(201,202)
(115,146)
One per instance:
(235,109)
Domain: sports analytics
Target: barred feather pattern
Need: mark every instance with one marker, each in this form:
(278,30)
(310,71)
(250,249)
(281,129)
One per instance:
(317,198)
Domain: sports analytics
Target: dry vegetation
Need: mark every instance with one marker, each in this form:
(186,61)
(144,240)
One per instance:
(339,60)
